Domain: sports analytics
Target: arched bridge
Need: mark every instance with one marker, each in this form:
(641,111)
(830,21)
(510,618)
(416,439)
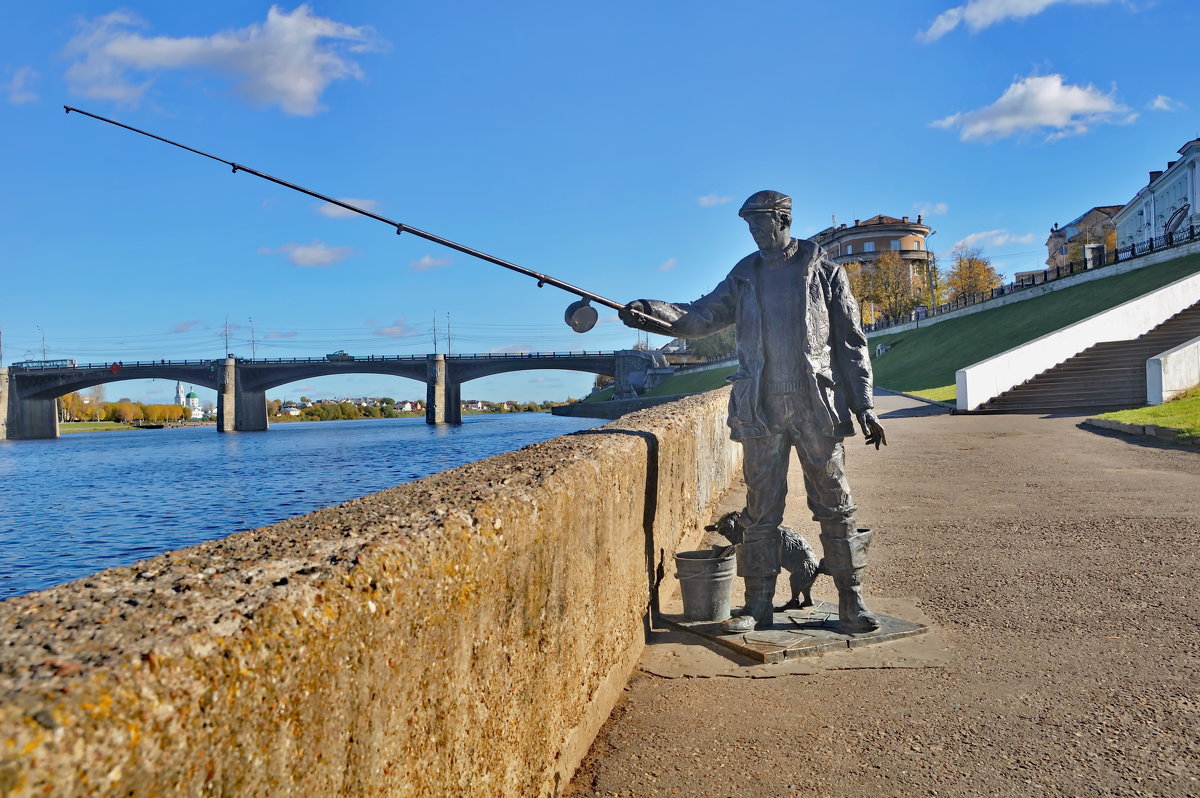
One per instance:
(28,391)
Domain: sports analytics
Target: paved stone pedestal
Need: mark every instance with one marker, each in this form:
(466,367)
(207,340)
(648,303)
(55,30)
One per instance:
(796,633)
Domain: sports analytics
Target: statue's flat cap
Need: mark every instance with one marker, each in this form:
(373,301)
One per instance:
(766,201)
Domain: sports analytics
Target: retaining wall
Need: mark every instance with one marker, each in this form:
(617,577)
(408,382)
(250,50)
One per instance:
(465,634)
(988,378)
(1173,372)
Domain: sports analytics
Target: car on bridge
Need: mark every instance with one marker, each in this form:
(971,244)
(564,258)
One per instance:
(339,355)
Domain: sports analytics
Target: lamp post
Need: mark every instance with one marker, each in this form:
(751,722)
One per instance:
(929,272)
(43,332)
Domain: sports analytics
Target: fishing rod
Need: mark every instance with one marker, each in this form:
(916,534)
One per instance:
(580,315)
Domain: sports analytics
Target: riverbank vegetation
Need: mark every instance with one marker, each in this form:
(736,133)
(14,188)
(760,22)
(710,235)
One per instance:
(386,407)
(78,407)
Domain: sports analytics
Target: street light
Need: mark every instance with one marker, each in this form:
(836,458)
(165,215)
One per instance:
(929,272)
(43,332)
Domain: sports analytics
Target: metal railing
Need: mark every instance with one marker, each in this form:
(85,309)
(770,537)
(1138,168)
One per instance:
(1166,241)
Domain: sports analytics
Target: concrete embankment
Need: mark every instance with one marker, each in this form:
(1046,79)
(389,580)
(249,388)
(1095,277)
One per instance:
(464,634)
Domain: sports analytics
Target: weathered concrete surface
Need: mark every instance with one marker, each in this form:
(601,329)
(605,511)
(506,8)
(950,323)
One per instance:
(464,634)
(1059,564)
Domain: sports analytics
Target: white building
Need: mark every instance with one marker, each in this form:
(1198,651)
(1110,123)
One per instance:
(192,401)
(1166,205)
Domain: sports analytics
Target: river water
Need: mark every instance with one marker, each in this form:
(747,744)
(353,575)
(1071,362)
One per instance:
(89,501)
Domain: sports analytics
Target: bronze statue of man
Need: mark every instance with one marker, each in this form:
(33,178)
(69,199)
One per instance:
(803,368)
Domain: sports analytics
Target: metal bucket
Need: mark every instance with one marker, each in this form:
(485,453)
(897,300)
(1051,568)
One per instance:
(706,584)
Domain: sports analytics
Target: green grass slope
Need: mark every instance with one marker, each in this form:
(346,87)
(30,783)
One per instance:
(924,360)
(693,382)
(1182,413)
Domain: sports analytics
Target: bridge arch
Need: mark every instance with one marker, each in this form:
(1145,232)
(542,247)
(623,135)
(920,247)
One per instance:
(28,394)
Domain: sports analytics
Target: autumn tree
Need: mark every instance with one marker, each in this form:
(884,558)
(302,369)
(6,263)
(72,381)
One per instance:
(856,275)
(972,273)
(96,394)
(719,344)
(890,281)
(932,288)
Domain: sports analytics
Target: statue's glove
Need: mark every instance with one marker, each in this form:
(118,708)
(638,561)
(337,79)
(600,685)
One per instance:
(872,430)
(628,315)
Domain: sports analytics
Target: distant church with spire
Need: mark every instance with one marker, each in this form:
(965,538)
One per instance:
(189,400)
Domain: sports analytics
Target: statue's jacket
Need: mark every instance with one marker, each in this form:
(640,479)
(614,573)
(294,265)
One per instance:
(836,362)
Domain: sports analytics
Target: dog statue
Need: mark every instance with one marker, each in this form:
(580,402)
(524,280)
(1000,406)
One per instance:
(798,559)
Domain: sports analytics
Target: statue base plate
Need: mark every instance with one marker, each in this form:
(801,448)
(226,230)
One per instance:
(798,633)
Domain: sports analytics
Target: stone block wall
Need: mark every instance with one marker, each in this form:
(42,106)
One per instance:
(464,634)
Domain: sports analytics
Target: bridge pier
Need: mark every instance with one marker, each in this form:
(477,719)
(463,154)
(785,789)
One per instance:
(239,409)
(25,418)
(443,396)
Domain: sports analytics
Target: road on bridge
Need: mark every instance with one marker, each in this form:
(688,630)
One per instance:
(1062,570)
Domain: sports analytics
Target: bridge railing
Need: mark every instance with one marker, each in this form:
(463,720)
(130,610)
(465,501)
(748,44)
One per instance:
(107,366)
(120,364)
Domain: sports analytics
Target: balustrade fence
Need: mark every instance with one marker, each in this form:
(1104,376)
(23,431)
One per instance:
(1152,244)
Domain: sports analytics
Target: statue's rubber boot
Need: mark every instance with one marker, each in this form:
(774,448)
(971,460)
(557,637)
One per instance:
(758,558)
(759,611)
(853,615)
(845,557)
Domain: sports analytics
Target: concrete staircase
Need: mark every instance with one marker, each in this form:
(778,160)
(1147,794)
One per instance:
(1108,376)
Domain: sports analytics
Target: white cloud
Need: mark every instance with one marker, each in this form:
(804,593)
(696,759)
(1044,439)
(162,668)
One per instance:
(397,329)
(518,349)
(338,212)
(428,262)
(931,208)
(185,326)
(314,254)
(549,382)
(1164,103)
(19,87)
(280,335)
(712,200)
(668,264)
(288,60)
(992,238)
(1040,102)
(980,14)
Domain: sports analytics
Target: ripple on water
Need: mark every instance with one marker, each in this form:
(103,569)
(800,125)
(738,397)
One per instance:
(84,502)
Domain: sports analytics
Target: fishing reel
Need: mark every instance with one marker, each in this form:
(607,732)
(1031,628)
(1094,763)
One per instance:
(580,316)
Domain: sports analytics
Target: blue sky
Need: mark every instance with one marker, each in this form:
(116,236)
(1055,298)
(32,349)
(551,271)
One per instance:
(606,144)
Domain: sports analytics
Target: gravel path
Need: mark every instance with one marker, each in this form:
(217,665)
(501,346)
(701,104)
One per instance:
(1060,566)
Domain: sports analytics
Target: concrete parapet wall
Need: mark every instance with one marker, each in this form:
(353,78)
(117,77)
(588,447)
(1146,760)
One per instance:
(1173,372)
(981,381)
(464,634)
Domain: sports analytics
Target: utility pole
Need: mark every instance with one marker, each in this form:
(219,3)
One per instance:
(447,334)
(253,343)
(43,332)
(226,333)
(435,331)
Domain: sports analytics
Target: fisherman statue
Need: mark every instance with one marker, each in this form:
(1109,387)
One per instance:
(803,368)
